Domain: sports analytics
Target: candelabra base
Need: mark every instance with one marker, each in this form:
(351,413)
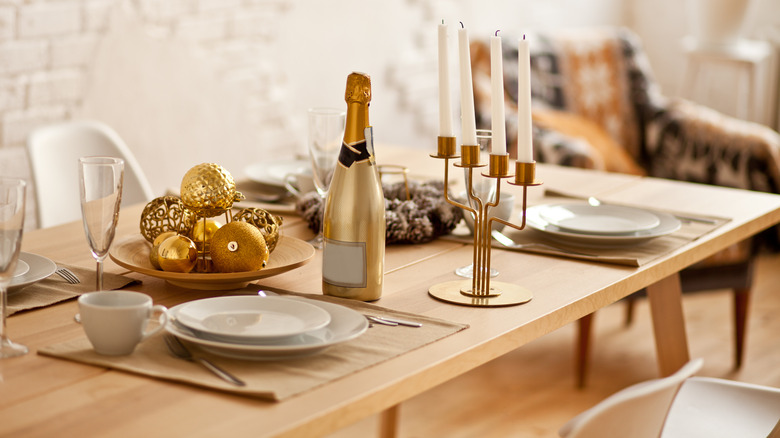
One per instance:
(500,294)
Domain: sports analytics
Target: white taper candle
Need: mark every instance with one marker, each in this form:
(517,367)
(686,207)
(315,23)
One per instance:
(445,107)
(498,142)
(468,123)
(525,146)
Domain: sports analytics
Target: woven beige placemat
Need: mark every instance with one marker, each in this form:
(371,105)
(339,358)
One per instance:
(692,227)
(54,289)
(273,379)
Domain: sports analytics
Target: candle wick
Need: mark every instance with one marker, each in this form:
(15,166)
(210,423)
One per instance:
(461,25)
(523,37)
(500,31)
(442,21)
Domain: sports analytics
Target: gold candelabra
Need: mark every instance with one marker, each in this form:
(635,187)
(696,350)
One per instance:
(479,291)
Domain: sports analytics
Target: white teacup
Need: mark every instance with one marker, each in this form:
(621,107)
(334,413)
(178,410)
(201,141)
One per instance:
(503,210)
(115,321)
(299,183)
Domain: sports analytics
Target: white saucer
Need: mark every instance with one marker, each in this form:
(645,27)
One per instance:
(21,268)
(274,172)
(40,268)
(345,324)
(668,224)
(249,319)
(599,219)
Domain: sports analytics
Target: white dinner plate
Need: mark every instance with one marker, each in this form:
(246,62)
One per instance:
(274,172)
(21,268)
(667,224)
(599,219)
(249,319)
(40,268)
(345,324)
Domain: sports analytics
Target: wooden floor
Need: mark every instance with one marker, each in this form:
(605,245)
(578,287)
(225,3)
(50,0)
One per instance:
(530,392)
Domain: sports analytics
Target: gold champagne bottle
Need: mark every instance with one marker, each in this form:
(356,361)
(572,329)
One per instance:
(353,223)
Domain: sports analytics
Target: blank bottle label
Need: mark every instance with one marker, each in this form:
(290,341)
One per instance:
(344,263)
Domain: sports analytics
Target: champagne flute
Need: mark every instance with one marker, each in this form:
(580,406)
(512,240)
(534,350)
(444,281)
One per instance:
(326,131)
(101,194)
(12,204)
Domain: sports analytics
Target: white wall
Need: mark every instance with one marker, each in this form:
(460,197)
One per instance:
(662,24)
(187,81)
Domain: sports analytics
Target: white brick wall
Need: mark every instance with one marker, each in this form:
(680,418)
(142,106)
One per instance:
(16,125)
(73,51)
(7,22)
(58,86)
(17,56)
(12,94)
(48,49)
(49,19)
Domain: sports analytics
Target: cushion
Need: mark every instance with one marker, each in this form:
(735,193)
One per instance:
(615,157)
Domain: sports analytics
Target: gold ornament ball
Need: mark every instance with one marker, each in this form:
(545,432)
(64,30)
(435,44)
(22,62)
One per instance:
(204,230)
(177,254)
(166,213)
(238,247)
(209,190)
(267,223)
(155,251)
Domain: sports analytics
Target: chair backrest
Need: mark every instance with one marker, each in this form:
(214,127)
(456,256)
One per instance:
(714,408)
(638,411)
(54,151)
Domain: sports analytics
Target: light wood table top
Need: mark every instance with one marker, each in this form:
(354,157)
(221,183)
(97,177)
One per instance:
(43,396)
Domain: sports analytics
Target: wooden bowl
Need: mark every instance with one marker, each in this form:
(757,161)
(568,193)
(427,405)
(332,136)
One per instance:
(132,252)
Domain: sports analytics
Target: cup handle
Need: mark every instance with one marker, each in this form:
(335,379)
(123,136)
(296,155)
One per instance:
(163,311)
(289,184)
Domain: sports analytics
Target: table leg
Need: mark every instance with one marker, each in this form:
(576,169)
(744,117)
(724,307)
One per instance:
(388,422)
(671,342)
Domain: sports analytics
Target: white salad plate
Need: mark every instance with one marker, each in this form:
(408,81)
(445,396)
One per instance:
(21,268)
(39,268)
(274,172)
(599,219)
(667,224)
(249,319)
(345,324)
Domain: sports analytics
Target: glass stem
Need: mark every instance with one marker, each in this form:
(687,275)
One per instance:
(3,313)
(99,279)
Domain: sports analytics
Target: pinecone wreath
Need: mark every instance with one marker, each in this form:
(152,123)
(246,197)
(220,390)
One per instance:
(422,218)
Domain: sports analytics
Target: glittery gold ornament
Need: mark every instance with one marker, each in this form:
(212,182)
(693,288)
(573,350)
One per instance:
(166,213)
(209,190)
(177,254)
(239,247)
(267,223)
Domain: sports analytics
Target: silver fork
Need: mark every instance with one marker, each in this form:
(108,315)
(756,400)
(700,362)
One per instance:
(68,275)
(179,350)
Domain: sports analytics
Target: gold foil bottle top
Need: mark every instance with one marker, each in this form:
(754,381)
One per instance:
(358,88)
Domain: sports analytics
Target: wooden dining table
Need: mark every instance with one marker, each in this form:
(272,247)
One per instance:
(46,396)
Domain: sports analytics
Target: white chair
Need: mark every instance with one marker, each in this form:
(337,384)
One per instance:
(681,406)
(712,408)
(54,151)
(638,411)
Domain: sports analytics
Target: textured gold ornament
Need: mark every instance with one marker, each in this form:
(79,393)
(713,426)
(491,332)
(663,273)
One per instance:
(177,254)
(239,247)
(166,213)
(209,190)
(267,223)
